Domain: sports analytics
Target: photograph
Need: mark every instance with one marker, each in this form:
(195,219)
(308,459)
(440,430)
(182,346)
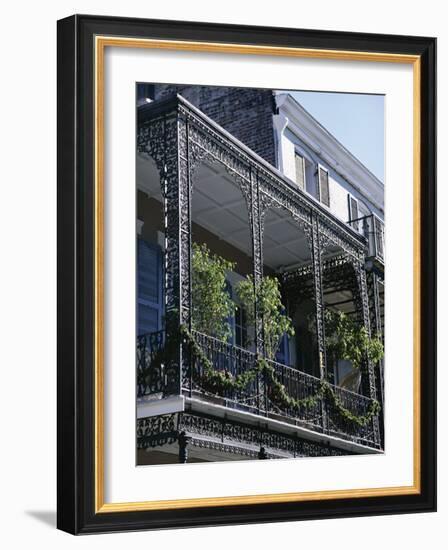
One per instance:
(260,264)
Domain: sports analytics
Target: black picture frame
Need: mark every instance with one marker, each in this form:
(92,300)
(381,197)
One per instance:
(76,255)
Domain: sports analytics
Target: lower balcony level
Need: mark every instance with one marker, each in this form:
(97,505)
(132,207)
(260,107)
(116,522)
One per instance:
(224,381)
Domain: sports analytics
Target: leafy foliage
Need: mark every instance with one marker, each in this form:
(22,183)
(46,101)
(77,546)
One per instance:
(222,382)
(269,302)
(345,339)
(212,306)
(211,303)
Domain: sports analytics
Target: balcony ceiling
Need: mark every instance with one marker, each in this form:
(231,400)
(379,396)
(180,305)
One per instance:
(285,243)
(219,207)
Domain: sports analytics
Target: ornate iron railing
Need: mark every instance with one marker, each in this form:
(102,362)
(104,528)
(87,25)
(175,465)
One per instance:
(150,364)
(234,361)
(316,412)
(356,404)
(300,386)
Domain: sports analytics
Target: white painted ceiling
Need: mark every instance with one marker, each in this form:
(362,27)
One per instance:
(218,205)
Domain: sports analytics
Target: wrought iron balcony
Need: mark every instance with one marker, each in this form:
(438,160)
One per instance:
(258,396)
(180,148)
(372,227)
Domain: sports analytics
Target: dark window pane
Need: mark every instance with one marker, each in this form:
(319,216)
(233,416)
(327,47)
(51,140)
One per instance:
(324,187)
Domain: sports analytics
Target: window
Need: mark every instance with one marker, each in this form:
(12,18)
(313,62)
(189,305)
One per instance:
(282,355)
(324,186)
(240,327)
(237,322)
(149,287)
(348,377)
(353,212)
(300,170)
(310,173)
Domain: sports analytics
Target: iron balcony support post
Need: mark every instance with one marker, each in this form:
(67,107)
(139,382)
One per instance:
(316,254)
(184,239)
(161,139)
(316,258)
(374,302)
(262,455)
(376,327)
(175,183)
(368,374)
(362,307)
(183,441)
(172,265)
(256,221)
(255,216)
(188,193)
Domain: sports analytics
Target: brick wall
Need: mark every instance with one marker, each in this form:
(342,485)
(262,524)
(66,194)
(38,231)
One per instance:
(244,112)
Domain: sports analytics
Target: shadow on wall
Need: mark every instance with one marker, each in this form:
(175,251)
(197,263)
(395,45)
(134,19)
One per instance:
(48,517)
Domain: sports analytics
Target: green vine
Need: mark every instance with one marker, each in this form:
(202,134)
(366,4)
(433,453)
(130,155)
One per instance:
(215,381)
(346,339)
(211,303)
(361,420)
(221,381)
(270,308)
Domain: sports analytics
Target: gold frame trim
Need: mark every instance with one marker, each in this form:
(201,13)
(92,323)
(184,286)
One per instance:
(101,42)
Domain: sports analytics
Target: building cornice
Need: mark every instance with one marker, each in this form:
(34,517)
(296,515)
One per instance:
(329,149)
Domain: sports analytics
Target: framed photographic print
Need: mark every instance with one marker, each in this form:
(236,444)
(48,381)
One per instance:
(246,270)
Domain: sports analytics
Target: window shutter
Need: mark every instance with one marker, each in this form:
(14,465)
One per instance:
(353,212)
(149,287)
(324,189)
(300,171)
(379,234)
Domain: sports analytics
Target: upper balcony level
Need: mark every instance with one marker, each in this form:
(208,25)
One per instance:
(174,121)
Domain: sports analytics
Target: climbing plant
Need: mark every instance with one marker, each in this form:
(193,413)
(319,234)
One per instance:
(221,382)
(346,339)
(269,301)
(211,308)
(211,303)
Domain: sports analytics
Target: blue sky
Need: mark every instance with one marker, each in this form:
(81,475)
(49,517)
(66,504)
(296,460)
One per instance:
(356,120)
